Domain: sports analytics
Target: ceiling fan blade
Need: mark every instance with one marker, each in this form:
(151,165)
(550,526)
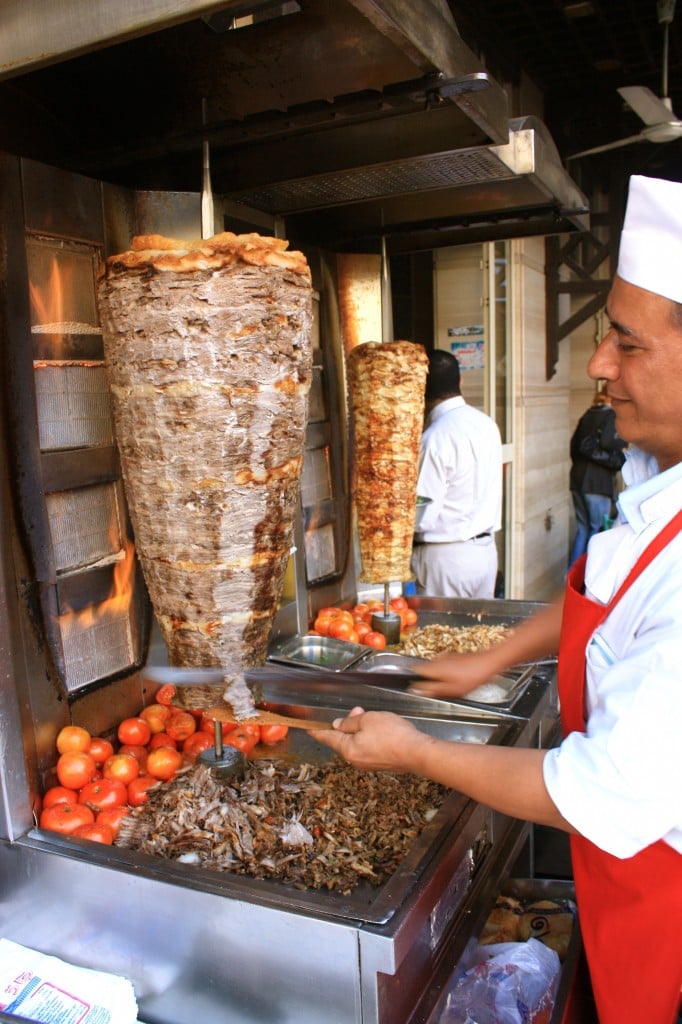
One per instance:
(646,104)
(609,145)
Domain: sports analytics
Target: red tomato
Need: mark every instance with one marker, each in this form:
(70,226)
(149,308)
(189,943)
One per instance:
(340,629)
(103,793)
(374,639)
(164,695)
(100,749)
(122,767)
(139,752)
(156,716)
(398,604)
(97,832)
(66,818)
(112,816)
(321,626)
(73,737)
(134,731)
(161,739)
(375,605)
(362,629)
(75,768)
(59,795)
(410,617)
(139,788)
(181,726)
(273,733)
(244,738)
(163,763)
(194,745)
(359,610)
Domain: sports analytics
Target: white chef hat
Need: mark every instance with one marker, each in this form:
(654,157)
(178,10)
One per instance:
(651,242)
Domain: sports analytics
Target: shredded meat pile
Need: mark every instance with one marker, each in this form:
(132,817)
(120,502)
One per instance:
(322,826)
(430,641)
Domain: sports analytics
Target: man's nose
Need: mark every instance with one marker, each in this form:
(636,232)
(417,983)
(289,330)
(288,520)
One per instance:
(603,364)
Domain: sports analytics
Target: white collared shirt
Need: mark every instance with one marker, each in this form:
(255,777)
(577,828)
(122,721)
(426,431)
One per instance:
(460,469)
(620,783)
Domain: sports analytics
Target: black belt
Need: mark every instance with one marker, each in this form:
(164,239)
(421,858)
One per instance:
(480,535)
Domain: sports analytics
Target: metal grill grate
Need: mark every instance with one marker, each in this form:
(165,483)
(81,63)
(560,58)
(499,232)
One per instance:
(73,405)
(418,174)
(95,649)
(85,526)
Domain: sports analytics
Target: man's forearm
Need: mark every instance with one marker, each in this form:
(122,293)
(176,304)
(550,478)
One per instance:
(507,779)
(536,637)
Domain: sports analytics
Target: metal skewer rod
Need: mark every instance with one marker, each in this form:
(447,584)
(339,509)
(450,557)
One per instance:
(207,221)
(387,598)
(218,738)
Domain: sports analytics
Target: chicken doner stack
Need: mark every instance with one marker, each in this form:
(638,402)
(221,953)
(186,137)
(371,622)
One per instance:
(208,349)
(387,382)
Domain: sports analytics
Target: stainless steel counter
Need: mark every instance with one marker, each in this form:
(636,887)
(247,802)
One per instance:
(203,945)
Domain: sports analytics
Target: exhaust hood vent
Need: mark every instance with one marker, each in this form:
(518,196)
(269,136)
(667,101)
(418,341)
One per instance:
(418,174)
(458,195)
(351,119)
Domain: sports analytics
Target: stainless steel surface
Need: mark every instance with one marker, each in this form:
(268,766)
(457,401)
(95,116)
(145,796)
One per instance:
(371,951)
(520,181)
(413,130)
(454,611)
(298,75)
(321,652)
(402,669)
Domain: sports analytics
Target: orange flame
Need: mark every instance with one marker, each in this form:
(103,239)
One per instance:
(117,604)
(47,304)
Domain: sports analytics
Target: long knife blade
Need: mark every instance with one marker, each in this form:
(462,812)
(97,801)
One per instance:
(206,676)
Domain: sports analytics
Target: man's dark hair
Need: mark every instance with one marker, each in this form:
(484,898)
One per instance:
(442,380)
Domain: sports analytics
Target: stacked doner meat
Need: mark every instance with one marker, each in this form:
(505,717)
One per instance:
(387,384)
(209,355)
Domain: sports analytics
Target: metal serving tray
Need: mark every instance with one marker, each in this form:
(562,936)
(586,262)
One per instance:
(404,668)
(295,693)
(318,652)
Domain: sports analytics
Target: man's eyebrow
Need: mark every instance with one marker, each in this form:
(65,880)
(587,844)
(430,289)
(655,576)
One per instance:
(621,328)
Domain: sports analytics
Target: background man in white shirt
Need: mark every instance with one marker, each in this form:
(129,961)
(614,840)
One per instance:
(614,782)
(460,470)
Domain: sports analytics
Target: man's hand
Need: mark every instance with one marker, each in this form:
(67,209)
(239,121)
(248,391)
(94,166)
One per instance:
(375,740)
(454,675)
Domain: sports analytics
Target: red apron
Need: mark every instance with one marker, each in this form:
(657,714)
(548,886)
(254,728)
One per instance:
(630,910)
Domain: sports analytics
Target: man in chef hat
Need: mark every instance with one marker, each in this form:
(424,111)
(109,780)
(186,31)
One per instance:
(615,781)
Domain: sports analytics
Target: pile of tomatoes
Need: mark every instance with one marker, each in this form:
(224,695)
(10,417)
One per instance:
(99,779)
(355,624)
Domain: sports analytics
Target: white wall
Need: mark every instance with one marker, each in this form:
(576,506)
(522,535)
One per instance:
(541,497)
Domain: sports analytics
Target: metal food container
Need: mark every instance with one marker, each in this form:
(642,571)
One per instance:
(318,652)
(501,691)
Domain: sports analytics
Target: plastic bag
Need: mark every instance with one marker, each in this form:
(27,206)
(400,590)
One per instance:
(511,983)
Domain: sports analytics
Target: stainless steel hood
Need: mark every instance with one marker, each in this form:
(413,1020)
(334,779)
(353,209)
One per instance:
(350,118)
(450,197)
